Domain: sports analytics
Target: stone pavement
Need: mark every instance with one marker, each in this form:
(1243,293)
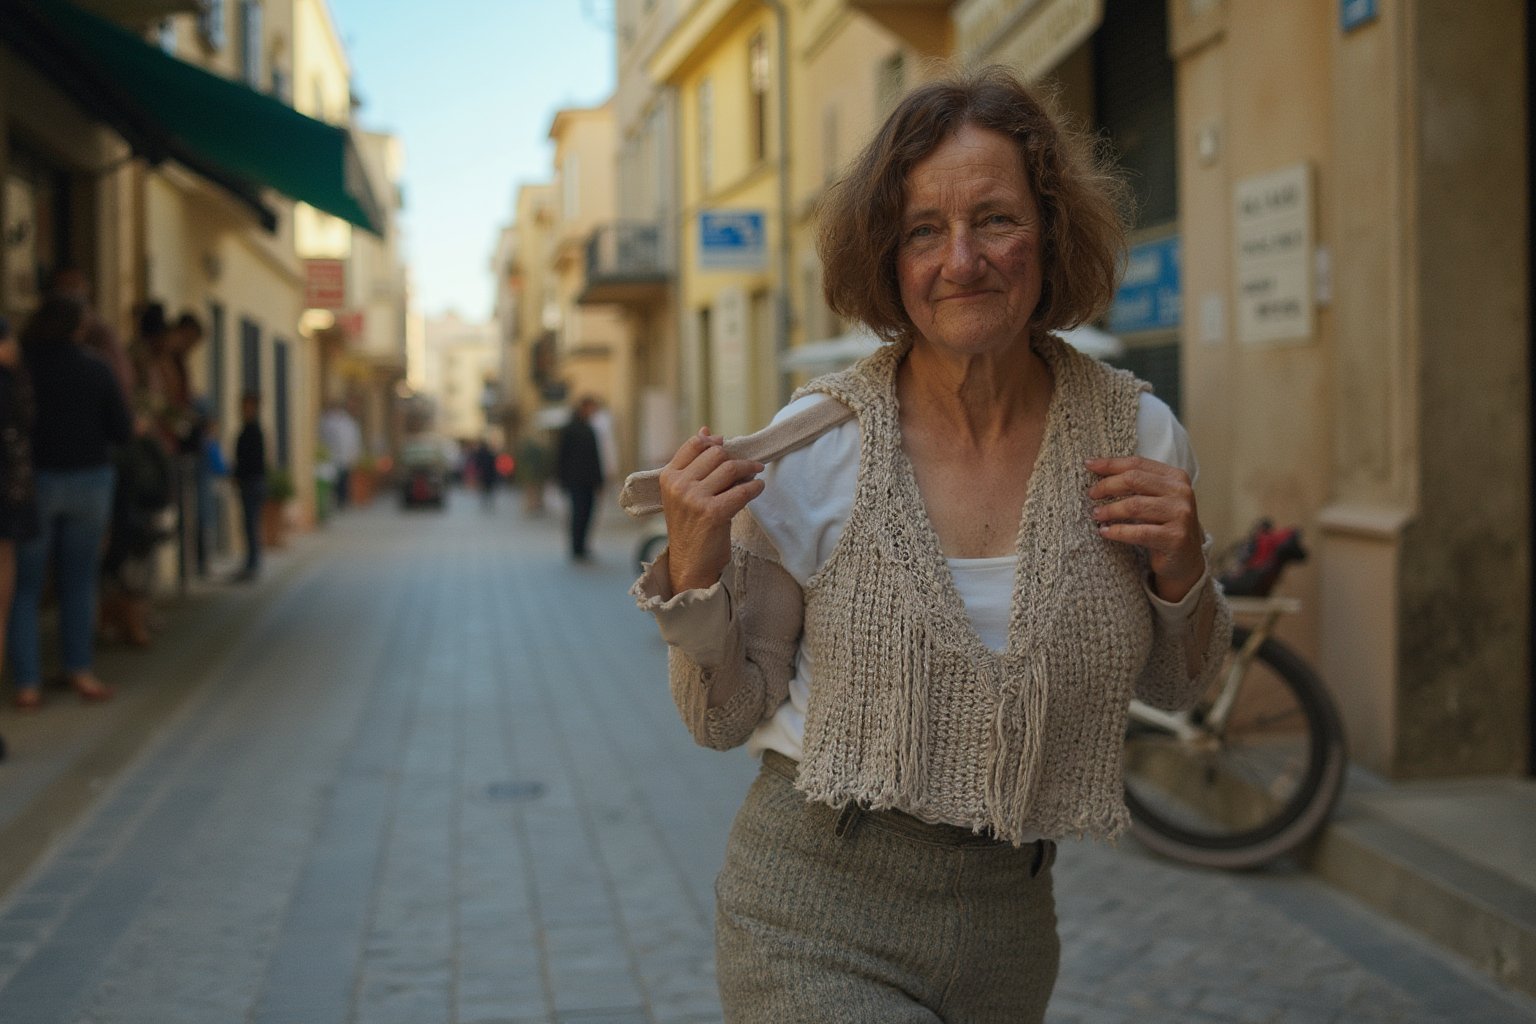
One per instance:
(429,772)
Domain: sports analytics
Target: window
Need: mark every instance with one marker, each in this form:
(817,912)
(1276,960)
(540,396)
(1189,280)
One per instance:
(250,43)
(281,403)
(757,83)
(890,82)
(250,356)
(216,344)
(40,229)
(706,135)
(210,23)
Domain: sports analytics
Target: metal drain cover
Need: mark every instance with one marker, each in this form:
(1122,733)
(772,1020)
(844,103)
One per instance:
(515,791)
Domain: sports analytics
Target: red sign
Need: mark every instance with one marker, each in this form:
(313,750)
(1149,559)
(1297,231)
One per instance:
(325,284)
(351,323)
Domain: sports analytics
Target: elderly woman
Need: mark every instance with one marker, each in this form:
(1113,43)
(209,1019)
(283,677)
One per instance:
(929,618)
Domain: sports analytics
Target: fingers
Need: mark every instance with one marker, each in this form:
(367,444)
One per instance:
(702,481)
(702,489)
(694,447)
(1150,505)
(1136,475)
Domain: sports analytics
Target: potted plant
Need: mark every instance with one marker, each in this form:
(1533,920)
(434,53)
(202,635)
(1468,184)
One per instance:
(325,484)
(362,482)
(274,513)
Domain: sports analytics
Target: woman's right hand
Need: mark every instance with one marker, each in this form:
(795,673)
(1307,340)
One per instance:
(702,489)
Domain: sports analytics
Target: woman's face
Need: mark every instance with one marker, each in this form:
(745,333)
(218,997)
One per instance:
(969,258)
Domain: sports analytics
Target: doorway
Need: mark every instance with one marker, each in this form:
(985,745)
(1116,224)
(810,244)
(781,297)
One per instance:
(1530,408)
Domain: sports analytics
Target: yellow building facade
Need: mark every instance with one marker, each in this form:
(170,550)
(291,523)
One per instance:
(529,315)
(849,71)
(733,233)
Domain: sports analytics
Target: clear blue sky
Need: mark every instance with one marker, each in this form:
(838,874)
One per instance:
(470,86)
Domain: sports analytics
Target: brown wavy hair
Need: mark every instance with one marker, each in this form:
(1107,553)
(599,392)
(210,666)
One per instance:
(1084,203)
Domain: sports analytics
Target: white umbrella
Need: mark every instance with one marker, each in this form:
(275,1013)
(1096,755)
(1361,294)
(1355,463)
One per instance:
(1093,342)
(846,349)
(831,353)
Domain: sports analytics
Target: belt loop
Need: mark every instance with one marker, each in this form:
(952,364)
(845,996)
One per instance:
(847,820)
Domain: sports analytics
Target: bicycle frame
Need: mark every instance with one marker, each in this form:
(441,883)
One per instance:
(1267,611)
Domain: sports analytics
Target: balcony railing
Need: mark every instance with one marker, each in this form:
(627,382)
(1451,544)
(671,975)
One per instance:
(627,261)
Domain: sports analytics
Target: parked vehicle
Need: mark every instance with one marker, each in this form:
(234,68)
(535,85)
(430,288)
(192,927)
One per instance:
(424,467)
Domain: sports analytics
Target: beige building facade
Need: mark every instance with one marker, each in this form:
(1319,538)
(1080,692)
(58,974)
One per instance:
(850,70)
(593,341)
(528,310)
(463,371)
(111,178)
(632,260)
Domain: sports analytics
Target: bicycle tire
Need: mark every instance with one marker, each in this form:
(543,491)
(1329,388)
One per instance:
(649,550)
(1299,817)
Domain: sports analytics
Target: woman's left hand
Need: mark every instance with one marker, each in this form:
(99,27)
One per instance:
(1151,505)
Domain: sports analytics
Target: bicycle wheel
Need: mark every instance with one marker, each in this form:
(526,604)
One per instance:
(649,550)
(1252,790)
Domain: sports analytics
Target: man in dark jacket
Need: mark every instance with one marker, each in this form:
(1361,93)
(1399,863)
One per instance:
(251,478)
(579,468)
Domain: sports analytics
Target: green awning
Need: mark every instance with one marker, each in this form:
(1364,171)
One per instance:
(165,108)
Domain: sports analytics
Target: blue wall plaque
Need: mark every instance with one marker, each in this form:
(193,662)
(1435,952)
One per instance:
(732,240)
(1354,13)
(1149,298)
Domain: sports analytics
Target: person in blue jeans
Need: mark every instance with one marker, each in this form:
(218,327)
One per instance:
(80,416)
(251,479)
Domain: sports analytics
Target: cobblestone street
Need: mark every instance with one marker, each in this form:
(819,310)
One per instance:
(434,775)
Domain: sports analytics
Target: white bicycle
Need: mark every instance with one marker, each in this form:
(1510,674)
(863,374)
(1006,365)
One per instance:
(1254,770)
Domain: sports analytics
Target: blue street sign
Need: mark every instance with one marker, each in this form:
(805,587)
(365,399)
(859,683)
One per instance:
(1149,298)
(732,240)
(1354,13)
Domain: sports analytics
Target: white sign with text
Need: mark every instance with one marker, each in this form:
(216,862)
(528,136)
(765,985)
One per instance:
(1272,227)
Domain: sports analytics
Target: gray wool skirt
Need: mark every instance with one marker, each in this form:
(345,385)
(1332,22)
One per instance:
(858,916)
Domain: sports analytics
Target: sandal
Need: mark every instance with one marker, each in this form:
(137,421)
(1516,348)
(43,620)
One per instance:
(29,699)
(90,689)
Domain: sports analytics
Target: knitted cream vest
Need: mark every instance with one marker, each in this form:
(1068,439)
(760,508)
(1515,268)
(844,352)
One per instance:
(909,709)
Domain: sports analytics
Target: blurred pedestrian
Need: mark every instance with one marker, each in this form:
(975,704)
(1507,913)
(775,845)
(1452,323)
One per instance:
(181,417)
(146,361)
(532,473)
(18,497)
(214,471)
(343,441)
(251,479)
(484,460)
(579,468)
(100,336)
(143,518)
(80,416)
